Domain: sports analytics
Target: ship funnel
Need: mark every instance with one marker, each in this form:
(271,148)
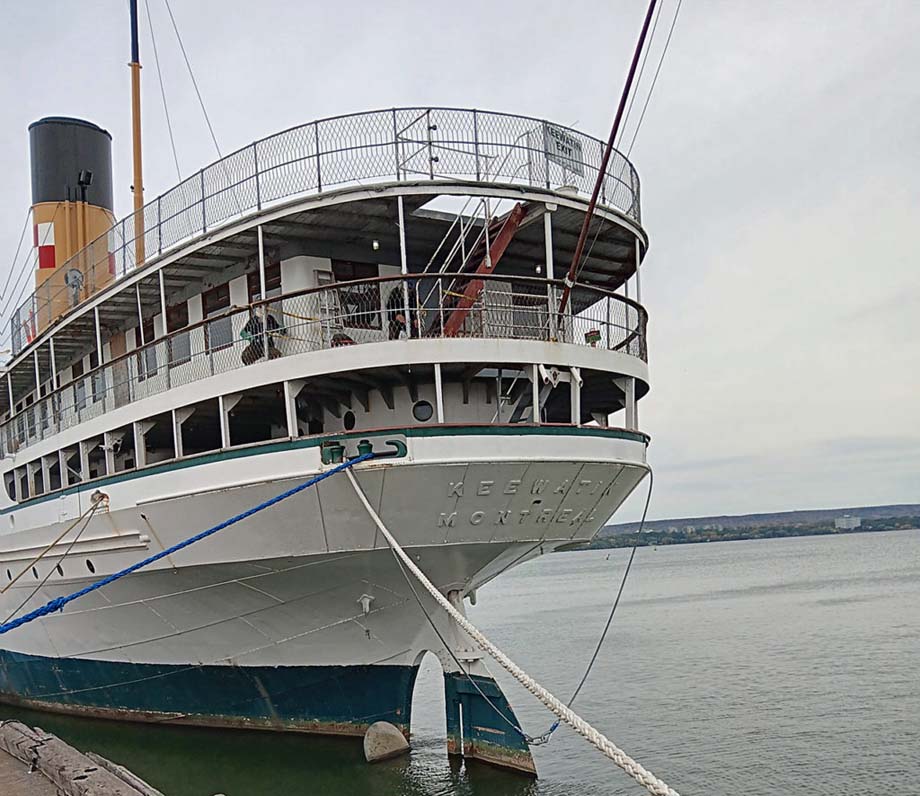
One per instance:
(71,210)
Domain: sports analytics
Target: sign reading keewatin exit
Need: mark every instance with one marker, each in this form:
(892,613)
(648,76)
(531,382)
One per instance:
(563,148)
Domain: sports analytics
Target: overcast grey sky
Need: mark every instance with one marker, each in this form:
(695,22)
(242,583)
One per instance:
(780,164)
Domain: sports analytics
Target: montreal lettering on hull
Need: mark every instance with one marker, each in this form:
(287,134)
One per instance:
(585,488)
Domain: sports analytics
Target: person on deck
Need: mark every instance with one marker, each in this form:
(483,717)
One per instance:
(396,314)
(252,333)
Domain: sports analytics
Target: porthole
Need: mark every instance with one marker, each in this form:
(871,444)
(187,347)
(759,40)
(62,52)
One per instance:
(349,420)
(60,570)
(90,567)
(9,576)
(422,411)
(35,573)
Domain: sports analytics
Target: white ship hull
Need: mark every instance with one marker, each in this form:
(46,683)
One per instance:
(297,618)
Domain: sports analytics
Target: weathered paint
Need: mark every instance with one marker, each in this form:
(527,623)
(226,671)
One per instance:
(486,735)
(334,700)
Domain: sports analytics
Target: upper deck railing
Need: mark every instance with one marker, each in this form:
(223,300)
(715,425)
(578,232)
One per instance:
(379,146)
(334,316)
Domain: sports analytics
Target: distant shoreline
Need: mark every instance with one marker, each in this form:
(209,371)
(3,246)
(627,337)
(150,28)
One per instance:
(675,537)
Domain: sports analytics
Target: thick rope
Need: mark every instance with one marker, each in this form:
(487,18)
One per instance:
(58,603)
(645,778)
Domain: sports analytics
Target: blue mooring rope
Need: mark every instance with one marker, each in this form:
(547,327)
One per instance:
(58,603)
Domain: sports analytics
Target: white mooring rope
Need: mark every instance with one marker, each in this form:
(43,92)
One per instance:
(645,778)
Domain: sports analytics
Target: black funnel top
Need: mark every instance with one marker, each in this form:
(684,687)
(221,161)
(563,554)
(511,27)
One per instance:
(66,152)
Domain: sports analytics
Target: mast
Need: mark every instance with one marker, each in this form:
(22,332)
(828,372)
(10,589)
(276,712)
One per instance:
(602,171)
(138,187)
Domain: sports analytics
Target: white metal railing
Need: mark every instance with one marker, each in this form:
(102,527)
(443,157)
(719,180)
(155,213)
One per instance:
(396,144)
(342,314)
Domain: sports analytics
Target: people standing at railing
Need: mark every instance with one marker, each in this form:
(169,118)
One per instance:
(254,334)
(396,312)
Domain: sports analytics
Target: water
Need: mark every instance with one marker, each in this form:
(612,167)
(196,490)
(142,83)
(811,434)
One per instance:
(764,667)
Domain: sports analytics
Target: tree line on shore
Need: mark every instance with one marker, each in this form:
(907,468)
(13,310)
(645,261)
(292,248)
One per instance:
(696,535)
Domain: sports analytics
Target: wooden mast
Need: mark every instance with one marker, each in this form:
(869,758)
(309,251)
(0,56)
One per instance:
(138,187)
(602,171)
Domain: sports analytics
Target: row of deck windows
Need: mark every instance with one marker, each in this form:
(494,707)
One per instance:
(258,415)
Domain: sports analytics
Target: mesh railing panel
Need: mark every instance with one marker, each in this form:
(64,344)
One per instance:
(405,143)
(343,314)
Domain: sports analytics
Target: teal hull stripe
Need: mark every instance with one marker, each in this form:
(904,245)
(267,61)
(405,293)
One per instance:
(293,697)
(314,442)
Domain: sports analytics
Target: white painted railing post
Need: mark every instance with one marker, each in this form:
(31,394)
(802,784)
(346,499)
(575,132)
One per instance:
(403,263)
(638,262)
(438,392)
(550,268)
(628,385)
(264,308)
(535,392)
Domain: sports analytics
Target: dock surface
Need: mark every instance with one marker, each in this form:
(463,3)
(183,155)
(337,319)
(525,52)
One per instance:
(60,770)
(15,779)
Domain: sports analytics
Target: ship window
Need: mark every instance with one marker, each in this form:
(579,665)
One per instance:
(159,442)
(258,416)
(309,413)
(349,420)
(38,478)
(73,466)
(272,283)
(218,333)
(180,347)
(60,570)
(147,358)
(121,443)
(79,387)
(9,575)
(95,458)
(30,414)
(9,480)
(35,573)
(23,478)
(201,430)
(54,473)
(422,411)
(97,379)
(90,567)
(345,270)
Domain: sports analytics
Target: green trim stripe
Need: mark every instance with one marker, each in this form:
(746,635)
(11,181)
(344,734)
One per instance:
(314,442)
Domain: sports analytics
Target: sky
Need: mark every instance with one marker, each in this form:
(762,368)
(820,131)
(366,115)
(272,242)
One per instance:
(780,167)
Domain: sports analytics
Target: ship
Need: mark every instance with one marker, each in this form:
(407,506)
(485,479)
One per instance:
(393,281)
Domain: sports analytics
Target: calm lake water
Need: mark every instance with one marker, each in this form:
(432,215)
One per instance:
(760,668)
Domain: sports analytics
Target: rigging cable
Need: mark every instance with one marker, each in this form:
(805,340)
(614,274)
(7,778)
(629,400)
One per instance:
(22,237)
(58,603)
(641,115)
(655,78)
(156,60)
(192,75)
(616,602)
(605,160)
(8,304)
(632,98)
(600,642)
(597,739)
(85,519)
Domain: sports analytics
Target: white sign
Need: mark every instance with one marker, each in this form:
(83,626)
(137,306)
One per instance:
(563,148)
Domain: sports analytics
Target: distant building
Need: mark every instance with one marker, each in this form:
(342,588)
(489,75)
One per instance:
(847,523)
